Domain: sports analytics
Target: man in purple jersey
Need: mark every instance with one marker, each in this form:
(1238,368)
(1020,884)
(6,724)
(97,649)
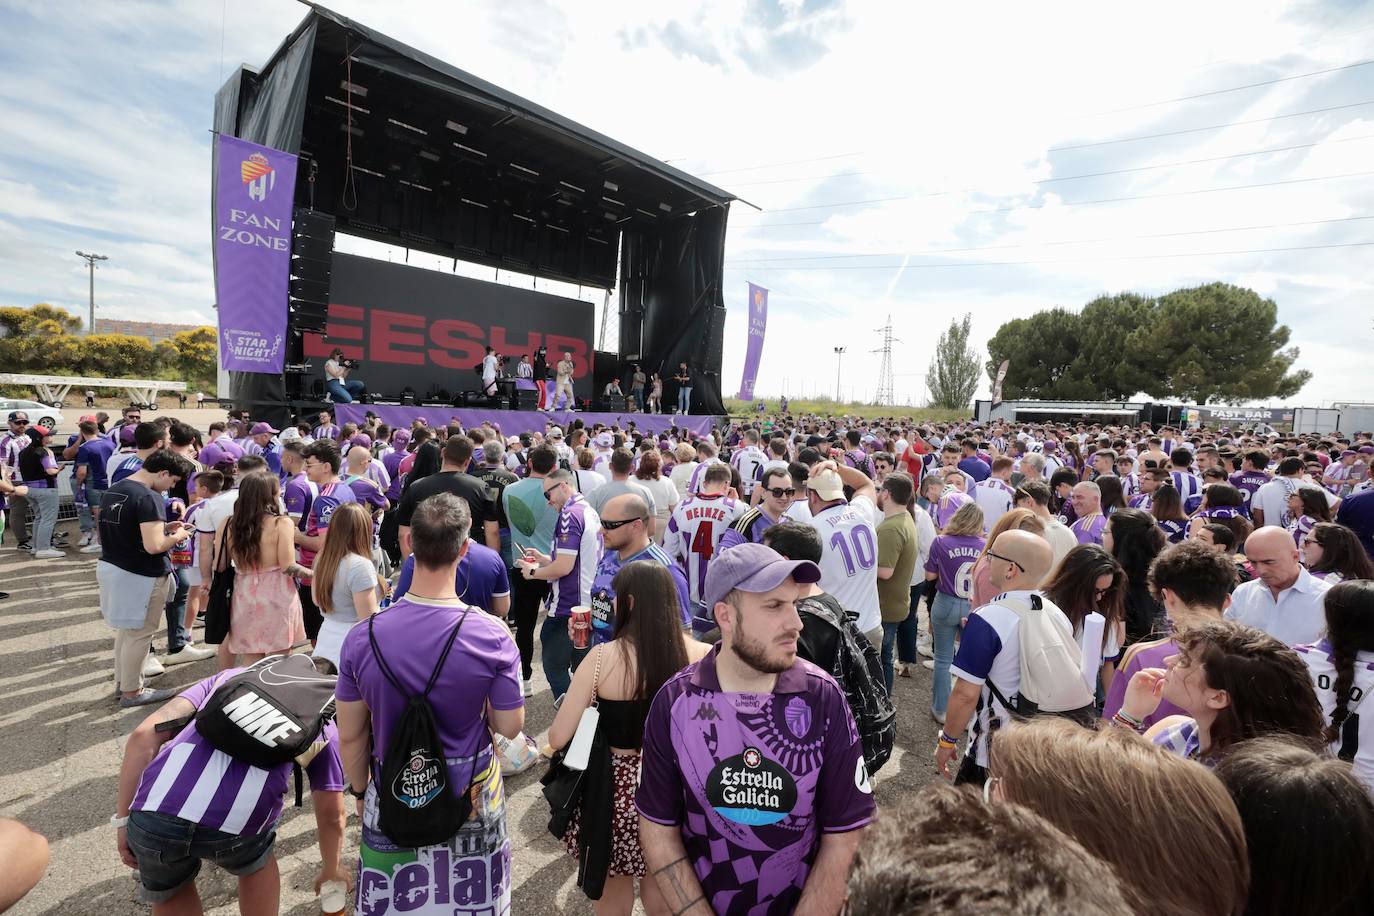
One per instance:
(182,802)
(297,490)
(148,438)
(576,550)
(1252,475)
(1088,518)
(322,462)
(778,494)
(1186,482)
(970,463)
(753,791)
(625,522)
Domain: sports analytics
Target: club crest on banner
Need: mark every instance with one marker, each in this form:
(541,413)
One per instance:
(259,178)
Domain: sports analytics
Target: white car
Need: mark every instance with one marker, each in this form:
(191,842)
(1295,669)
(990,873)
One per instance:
(39,414)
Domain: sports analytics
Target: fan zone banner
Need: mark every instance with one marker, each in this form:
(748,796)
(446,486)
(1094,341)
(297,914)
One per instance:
(254,190)
(758,323)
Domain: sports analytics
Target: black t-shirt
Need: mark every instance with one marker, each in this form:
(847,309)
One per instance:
(457,483)
(496,480)
(123,509)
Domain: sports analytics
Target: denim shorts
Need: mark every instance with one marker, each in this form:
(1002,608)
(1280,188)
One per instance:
(169,851)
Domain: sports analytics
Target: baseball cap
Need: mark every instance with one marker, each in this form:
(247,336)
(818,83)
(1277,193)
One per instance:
(290,434)
(555,432)
(753,568)
(88,418)
(1366,449)
(827,484)
(19,415)
(604,440)
(39,431)
(1349,453)
(362,439)
(126,434)
(260,428)
(401,439)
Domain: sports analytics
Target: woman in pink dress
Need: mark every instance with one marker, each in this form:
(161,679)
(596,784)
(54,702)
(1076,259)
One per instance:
(265,617)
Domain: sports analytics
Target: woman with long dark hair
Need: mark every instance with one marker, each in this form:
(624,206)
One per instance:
(1167,508)
(620,678)
(428,460)
(265,617)
(1342,669)
(1333,552)
(1061,488)
(1113,495)
(1133,537)
(1233,683)
(1306,507)
(1089,587)
(38,471)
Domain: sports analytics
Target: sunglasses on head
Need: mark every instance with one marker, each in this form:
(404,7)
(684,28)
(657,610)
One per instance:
(612,525)
(780,492)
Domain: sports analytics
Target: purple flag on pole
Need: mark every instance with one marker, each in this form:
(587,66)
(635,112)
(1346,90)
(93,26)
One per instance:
(758,322)
(255,187)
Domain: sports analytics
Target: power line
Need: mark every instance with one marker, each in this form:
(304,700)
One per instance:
(1140,168)
(1194,130)
(774,165)
(1119,238)
(1134,257)
(1203,95)
(1110,200)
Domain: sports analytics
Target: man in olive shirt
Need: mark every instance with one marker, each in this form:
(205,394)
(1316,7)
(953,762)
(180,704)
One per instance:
(896,561)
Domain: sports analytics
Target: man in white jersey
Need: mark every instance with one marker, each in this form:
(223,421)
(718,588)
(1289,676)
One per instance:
(749,460)
(695,528)
(707,455)
(849,541)
(995,495)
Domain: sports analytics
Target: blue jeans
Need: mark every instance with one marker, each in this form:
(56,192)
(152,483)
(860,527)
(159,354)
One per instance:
(557,654)
(945,616)
(889,643)
(176,609)
(684,400)
(169,851)
(638,395)
(345,392)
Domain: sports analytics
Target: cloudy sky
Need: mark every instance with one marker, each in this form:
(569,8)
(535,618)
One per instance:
(914,159)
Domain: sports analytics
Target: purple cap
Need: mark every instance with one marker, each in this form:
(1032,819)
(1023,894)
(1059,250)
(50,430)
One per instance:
(753,568)
(260,428)
(1349,453)
(1366,449)
(362,439)
(604,440)
(401,438)
(213,454)
(126,434)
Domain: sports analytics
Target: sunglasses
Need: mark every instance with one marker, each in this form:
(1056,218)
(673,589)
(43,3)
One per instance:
(19,422)
(611,526)
(548,495)
(780,492)
(998,556)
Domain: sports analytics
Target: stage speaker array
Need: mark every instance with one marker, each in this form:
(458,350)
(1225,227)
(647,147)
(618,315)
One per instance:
(312,253)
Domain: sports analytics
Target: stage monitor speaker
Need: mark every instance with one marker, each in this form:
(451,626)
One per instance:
(526,400)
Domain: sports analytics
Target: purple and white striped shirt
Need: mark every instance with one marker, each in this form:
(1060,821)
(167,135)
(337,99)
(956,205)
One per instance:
(191,780)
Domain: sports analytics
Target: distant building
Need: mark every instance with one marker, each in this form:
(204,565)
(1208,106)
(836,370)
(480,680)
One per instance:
(153,331)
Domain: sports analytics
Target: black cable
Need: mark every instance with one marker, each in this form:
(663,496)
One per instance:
(1194,130)
(1203,95)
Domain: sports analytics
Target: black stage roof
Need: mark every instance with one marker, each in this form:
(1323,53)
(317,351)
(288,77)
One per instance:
(409,150)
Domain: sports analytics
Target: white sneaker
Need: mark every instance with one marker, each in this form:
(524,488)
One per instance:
(152,667)
(928,664)
(517,754)
(48,554)
(187,653)
(85,539)
(925,648)
(529,689)
(93,547)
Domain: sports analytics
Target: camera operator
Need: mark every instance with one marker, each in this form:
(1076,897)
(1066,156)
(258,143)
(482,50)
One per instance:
(342,389)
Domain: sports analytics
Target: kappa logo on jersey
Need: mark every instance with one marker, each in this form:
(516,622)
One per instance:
(750,789)
(705,713)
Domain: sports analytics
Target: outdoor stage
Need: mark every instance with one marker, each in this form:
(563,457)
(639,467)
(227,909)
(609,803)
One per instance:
(514,422)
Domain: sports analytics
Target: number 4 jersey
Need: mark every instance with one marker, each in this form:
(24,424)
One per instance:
(694,532)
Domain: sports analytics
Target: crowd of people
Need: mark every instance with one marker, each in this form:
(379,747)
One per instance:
(1148,648)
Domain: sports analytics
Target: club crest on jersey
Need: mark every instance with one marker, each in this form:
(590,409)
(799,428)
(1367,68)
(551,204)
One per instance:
(750,789)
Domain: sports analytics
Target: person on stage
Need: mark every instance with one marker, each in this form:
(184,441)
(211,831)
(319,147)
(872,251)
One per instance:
(564,385)
(542,376)
(524,369)
(342,389)
(683,377)
(490,366)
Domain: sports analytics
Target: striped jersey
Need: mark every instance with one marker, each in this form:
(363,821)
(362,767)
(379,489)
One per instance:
(1355,743)
(695,528)
(747,529)
(698,477)
(749,461)
(995,498)
(1188,485)
(191,780)
(577,532)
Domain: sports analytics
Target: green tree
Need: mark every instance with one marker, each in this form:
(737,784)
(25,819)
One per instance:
(953,374)
(118,356)
(197,354)
(1217,342)
(1106,367)
(1043,351)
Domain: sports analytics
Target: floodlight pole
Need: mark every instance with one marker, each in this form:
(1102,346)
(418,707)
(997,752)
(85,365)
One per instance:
(90,261)
(839,355)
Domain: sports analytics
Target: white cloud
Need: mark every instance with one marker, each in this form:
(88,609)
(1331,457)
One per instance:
(104,110)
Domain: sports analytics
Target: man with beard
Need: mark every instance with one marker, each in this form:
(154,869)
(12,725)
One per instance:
(742,740)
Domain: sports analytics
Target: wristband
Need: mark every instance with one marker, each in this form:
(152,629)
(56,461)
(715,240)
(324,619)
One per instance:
(356,793)
(1126,720)
(946,741)
(117,821)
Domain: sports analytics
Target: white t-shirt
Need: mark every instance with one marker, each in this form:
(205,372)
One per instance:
(1061,539)
(681,475)
(925,536)
(588,482)
(799,511)
(849,558)
(1272,498)
(489,368)
(749,461)
(1319,664)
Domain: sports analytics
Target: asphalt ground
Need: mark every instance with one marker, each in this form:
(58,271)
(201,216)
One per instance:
(63,737)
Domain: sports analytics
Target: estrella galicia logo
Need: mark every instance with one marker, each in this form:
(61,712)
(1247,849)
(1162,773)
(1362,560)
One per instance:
(750,789)
(420,780)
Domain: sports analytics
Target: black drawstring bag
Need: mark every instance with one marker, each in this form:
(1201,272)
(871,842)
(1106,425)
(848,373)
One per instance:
(221,596)
(416,806)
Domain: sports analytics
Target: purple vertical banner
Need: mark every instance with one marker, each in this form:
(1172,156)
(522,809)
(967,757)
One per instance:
(255,188)
(758,323)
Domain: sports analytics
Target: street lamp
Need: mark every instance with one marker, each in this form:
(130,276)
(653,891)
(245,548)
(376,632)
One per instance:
(839,354)
(90,260)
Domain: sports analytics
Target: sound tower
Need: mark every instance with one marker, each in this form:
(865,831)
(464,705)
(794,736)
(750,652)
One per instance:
(312,253)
